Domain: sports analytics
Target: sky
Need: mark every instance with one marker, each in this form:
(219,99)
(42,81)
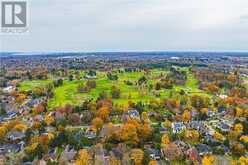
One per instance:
(133,25)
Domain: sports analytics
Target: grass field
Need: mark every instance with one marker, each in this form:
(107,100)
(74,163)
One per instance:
(29,85)
(67,93)
(246,82)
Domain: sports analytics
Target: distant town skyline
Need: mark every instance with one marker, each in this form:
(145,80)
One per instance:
(129,25)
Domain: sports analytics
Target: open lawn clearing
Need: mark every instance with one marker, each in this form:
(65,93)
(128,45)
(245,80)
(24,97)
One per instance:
(29,85)
(67,93)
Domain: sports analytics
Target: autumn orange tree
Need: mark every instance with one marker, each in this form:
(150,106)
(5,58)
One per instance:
(192,135)
(153,162)
(39,109)
(129,134)
(244,138)
(20,127)
(218,136)
(238,149)
(243,160)
(49,119)
(239,128)
(208,160)
(114,161)
(137,155)
(3,132)
(103,113)
(186,116)
(97,123)
(165,139)
(146,131)
(83,157)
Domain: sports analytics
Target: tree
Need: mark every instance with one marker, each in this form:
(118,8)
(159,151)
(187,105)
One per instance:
(238,127)
(233,135)
(208,160)
(112,76)
(83,157)
(142,80)
(115,92)
(97,123)
(153,162)
(39,109)
(129,134)
(137,156)
(91,84)
(114,161)
(70,77)
(78,76)
(244,138)
(218,136)
(144,116)
(49,119)
(165,139)
(186,115)
(172,152)
(200,101)
(20,97)
(167,124)
(103,113)
(192,135)
(20,127)
(3,132)
(238,149)
(146,131)
(239,112)
(74,119)
(38,91)
(243,160)
(81,88)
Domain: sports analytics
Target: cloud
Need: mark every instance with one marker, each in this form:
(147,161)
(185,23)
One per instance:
(244,17)
(99,25)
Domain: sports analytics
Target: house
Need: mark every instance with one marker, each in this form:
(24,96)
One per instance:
(133,113)
(27,163)
(210,140)
(67,155)
(34,102)
(194,113)
(225,125)
(183,146)
(105,131)
(163,130)
(222,96)
(210,113)
(117,153)
(203,149)
(178,127)
(10,115)
(15,135)
(221,109)
(7,148)
(90,134)
(197,125)
(154,154)
(193,155)
(8,89)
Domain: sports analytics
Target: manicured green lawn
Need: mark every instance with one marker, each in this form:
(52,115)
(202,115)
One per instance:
(29,85)
(68,94)
(246,82)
